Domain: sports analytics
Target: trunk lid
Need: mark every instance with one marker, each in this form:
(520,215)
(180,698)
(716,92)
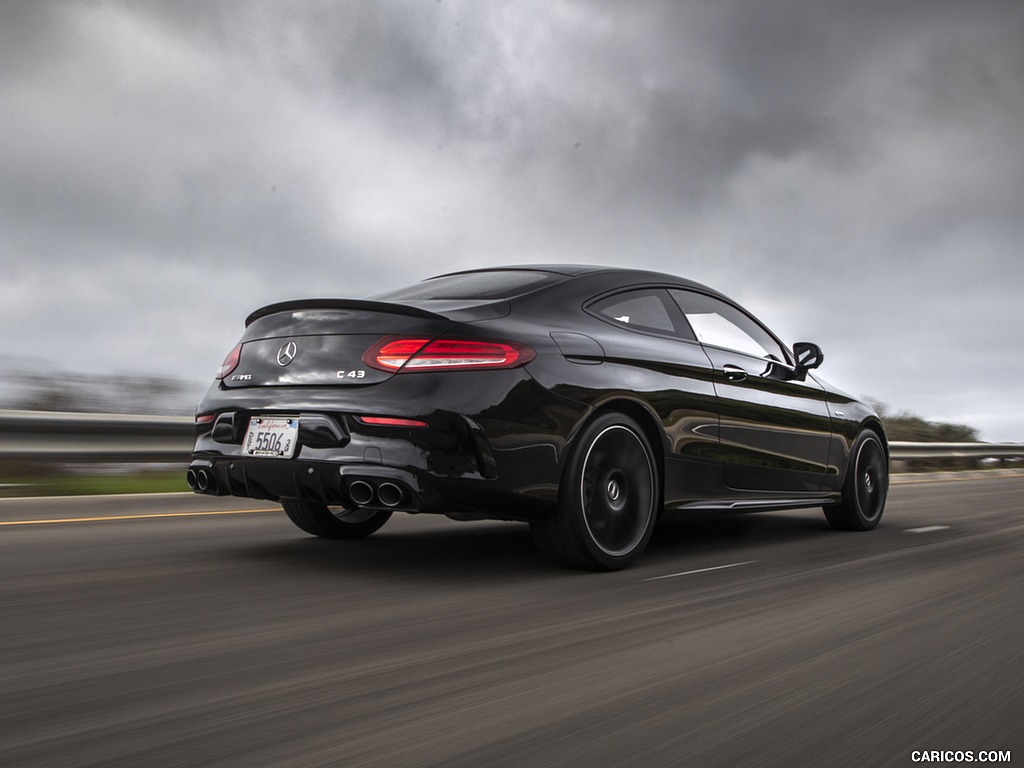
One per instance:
(321,342)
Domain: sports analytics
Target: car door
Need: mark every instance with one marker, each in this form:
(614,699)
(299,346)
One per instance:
(774,426)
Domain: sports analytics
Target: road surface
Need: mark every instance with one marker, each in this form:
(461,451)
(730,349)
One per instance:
(166,638)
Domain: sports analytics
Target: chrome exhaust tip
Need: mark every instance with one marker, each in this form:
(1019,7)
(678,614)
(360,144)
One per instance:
(190,478)
(204,481)
(361,492)
(390,495)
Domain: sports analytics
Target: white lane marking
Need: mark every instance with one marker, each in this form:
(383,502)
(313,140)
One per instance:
(701,570)
(928,529)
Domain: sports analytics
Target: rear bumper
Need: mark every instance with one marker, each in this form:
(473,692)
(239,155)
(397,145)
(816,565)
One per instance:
(368,486)
(347,485)
(498,456)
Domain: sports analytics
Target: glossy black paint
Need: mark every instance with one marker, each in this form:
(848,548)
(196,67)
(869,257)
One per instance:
(731,430)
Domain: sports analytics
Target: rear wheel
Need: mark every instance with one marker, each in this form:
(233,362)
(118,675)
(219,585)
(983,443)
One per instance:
(335,522)
(865,488)
(607,500)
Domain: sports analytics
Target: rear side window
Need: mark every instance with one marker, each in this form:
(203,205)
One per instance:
(642,310)
(496,284)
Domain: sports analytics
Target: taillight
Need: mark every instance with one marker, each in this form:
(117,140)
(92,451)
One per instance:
(230,362)
(390,354)
(410,354)
(390,421)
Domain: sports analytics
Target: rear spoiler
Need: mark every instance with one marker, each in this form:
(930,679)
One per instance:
(365,305)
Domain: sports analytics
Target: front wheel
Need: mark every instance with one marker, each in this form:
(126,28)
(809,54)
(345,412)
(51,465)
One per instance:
(865,488)
(335,522)
(607,501)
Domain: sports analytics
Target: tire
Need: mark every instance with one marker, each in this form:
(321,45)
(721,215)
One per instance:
(335,522)
(607,501)
(865,488)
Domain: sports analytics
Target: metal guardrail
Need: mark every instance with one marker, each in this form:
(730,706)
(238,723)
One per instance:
(43,436)
(900,451)
(50,437)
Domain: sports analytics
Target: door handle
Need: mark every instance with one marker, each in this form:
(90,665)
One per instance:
(734,372)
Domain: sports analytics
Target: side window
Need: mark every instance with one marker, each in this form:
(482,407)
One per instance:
(644,310)
(720,324)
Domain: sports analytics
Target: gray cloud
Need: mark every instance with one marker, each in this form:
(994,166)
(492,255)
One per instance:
(850,171)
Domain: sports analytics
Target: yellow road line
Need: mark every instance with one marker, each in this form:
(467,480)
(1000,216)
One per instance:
(152,516)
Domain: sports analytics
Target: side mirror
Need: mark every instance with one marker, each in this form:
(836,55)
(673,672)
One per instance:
(807,355)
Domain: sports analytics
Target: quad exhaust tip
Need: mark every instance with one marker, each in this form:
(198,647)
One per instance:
(201,480)
(369,493)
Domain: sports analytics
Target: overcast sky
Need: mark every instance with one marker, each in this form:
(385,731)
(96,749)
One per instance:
(852,172)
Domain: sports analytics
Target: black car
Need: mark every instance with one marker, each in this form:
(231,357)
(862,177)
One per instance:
(586,401)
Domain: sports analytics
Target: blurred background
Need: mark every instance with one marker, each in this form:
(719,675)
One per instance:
(850,172)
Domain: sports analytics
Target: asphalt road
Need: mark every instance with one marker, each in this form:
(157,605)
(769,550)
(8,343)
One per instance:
(236,640)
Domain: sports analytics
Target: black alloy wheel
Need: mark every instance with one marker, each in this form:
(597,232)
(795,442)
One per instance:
(608,499)
(865,488)
(335,522)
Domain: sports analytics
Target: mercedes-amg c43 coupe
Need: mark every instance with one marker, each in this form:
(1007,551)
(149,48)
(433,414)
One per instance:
(585,401)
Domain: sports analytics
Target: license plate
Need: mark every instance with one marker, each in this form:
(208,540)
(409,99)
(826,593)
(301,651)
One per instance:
(271,436)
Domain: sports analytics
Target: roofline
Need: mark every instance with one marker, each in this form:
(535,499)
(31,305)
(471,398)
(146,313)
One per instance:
(568,270)
(580,270)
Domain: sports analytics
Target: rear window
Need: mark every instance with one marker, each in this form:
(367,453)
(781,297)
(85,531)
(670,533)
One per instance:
(475,285)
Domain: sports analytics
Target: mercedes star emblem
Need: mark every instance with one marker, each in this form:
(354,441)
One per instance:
(286,353)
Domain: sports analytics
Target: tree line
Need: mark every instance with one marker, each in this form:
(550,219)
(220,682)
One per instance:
(909,427)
